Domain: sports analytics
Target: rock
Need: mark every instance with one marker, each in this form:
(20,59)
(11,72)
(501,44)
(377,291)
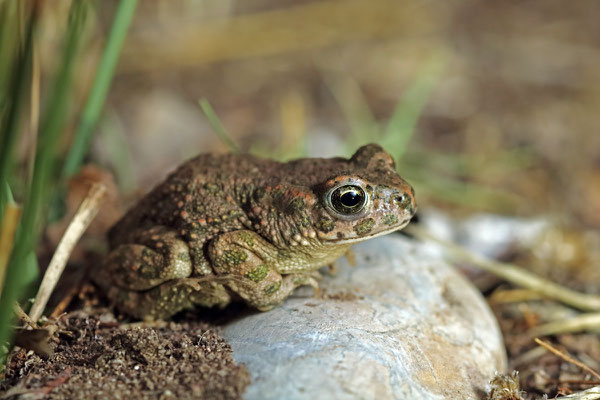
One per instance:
(401,324)
(490,235)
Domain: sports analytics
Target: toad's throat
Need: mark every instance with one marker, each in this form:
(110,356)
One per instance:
(362,238)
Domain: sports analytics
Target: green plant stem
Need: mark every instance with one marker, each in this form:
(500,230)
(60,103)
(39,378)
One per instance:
(218,127)
(97,97)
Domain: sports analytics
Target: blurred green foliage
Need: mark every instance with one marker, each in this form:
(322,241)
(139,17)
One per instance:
(16,76)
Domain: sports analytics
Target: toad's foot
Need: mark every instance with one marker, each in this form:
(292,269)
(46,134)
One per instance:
(288,284)
(169,298)
(153,256)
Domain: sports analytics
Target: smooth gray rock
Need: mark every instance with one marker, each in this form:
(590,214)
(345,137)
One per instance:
(401,324)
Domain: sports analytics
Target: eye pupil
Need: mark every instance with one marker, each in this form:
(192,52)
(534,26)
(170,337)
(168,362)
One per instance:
(348,200)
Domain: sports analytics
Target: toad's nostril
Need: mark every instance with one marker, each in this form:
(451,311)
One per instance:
(402,199)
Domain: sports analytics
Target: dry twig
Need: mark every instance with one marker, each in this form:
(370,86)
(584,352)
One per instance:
(22,315)
(66,300)
(566,357)
(83,217)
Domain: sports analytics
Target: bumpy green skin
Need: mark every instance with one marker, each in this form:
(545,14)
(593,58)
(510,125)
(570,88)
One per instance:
(226,227)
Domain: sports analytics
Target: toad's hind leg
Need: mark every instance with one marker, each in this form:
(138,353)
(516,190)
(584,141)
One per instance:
(153,256)
(169,298)
(246,264)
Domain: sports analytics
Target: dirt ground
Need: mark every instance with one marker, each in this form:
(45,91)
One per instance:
(96,357)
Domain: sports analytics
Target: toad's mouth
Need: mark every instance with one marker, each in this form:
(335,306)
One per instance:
(374,235)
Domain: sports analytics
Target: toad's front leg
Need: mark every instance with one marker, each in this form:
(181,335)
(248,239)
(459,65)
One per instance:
(247,265)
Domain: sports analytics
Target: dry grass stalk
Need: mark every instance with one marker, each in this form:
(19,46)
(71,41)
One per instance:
(83,217)
(513,296)
(582,322)
(515,274)
(589,394)
(10,222)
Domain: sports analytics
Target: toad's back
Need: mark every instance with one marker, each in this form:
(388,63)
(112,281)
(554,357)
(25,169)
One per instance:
(211,194)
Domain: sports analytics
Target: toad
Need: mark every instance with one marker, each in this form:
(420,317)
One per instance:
(230,227)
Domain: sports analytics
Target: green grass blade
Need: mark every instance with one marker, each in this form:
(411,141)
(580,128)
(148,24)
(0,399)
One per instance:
(457,192)
(6,197)
(364,128)
(51,129)
(97,97)
(22,268)
(18,91)
(8,27)
(55,115)
(401,125)
(218,127)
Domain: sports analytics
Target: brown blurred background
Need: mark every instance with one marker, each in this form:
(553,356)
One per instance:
(510,124)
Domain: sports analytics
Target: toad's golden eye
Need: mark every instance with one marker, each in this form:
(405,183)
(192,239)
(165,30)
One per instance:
(348,199)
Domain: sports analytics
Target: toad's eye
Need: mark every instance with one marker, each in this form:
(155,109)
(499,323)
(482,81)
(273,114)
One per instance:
(348,199)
